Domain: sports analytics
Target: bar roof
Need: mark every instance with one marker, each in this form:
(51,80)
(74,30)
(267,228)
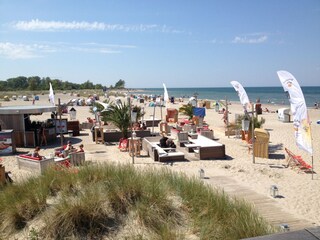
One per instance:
(26,109)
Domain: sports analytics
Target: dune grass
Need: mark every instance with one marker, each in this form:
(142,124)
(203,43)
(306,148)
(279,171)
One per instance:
(99,201)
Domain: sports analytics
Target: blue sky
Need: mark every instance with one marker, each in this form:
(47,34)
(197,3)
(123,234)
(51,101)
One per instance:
(180,43)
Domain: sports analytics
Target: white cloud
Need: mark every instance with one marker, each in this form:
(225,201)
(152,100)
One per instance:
(251,38)
(38,25)
(27,51)
(21,51)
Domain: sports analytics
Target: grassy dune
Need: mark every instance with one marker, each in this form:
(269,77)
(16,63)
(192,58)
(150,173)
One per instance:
(119,202)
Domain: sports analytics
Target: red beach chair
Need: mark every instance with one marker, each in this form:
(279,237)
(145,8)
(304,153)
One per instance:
(297,161)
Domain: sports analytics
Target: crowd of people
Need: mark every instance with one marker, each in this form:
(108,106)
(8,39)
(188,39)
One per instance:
(60,152)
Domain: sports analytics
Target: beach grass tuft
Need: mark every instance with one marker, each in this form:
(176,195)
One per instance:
(98,200)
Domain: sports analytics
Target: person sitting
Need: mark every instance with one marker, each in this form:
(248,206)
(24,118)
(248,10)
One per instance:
(163,142)
(61,152)
(80,148)
(170,143)
(144,127)
(36,154)
(69,146)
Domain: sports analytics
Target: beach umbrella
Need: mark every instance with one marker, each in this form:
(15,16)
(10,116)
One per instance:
(301,122)
(105,106)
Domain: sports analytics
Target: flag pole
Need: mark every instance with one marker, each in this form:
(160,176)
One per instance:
(252,134)
(60,112)
(312,153)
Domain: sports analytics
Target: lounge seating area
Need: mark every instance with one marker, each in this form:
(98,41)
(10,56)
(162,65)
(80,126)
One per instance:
(41,164)
(206,148)
(27,162)
(151,146)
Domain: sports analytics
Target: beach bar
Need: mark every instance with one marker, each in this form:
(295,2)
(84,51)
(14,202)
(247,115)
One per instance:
(17,118)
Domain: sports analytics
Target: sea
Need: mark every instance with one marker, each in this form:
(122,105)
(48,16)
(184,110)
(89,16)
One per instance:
(270,95)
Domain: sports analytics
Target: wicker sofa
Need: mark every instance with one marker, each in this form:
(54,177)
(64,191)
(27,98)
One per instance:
(151,146)
(208,148)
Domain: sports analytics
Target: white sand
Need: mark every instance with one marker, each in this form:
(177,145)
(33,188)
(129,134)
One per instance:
(301,194)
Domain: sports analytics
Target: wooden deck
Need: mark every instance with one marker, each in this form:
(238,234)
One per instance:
(266,206)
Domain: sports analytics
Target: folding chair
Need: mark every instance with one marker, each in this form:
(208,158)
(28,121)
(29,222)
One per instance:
(297,161)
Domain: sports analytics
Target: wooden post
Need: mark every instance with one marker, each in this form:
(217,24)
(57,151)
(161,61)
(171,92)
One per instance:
(228,134)
(132,148)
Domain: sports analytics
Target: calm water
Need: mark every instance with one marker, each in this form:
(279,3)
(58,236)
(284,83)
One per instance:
(275,95)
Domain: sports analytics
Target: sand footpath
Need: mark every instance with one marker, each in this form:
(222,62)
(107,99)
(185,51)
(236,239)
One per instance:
(301,195)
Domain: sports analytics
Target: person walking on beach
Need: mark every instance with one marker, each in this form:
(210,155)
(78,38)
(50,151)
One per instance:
(225,116)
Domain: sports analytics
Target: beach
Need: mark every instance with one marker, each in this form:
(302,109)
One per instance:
(300,194)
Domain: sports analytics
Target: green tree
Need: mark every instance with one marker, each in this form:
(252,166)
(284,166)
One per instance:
(87,85)
(34,83)
(120,84)
(98,86)
(18,83)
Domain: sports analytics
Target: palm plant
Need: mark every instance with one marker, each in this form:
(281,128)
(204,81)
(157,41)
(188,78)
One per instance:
(187,110)
(256,122)
(119,115)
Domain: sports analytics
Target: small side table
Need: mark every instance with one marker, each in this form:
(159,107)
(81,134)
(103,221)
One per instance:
(134,146)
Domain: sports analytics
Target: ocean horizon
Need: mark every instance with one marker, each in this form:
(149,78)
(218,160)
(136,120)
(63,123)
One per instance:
(270,95)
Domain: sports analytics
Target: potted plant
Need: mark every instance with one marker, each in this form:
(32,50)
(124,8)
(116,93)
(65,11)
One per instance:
(246,121)
(119,115)
(187,110)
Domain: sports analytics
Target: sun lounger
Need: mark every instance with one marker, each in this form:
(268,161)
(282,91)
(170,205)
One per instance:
(295,161)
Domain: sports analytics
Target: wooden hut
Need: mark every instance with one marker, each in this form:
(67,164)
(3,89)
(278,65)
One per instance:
(15,118)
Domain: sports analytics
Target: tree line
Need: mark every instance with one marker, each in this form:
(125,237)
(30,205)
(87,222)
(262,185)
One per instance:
(36,83)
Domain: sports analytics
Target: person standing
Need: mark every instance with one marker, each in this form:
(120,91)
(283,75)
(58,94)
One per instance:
(43,135)
(225,116)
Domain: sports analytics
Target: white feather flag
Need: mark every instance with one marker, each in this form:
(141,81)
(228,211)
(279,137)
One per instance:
(298,109)
(51,94)
(242,94)
(165,95)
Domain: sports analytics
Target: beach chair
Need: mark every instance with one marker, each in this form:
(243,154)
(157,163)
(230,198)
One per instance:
(261,143)
(296,161)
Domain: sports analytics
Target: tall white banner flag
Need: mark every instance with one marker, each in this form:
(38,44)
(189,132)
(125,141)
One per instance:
(242,94)
(299,111)
(51,94)
(165,95)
